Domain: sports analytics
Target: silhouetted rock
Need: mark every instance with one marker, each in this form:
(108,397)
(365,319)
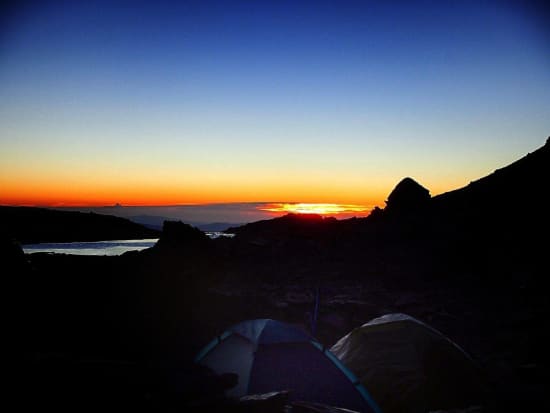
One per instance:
(376,213)
(407,197)
(177,233)
(184,245)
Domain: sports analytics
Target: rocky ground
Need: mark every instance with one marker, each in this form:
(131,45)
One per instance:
(128,327)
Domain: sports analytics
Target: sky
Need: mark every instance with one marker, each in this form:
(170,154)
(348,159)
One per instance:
(200,102)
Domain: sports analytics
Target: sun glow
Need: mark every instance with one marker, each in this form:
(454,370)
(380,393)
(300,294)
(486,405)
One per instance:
(321,209)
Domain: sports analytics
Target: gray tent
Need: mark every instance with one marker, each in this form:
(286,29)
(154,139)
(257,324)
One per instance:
(409,366)
(269,355)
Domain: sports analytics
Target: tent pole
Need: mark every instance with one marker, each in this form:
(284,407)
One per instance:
(315,312)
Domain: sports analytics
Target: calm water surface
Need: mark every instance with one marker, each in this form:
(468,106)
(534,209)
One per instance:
(91,248)
(117,247)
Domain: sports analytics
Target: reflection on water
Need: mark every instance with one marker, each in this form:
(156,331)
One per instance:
(117,247)
(91,248)
(217,234)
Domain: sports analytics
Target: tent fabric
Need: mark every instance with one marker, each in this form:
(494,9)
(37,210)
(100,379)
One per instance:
(269,355)
(236,355)
(409,366)
(267,331)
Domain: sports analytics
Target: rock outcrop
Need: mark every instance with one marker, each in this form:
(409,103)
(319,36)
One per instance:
(407,197)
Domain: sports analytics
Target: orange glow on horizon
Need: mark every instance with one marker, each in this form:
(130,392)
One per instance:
(80,185)
(67,193)
(318,208)
(64,189)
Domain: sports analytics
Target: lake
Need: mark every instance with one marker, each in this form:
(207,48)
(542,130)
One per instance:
(116,247)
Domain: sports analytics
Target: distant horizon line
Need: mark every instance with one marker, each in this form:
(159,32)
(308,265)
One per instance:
(233,212)
(198,204)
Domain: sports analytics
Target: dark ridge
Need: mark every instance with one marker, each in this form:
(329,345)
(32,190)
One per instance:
(296,225)
(512,201)
(525,179)
(34,225)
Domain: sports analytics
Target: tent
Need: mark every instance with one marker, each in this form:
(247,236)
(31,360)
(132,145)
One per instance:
(269,355)
(409,366)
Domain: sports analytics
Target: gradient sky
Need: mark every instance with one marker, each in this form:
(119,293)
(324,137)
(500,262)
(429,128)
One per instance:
(154,103)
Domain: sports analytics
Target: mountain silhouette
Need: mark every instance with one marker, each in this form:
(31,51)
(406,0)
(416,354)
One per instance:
(33,225)
(520,186)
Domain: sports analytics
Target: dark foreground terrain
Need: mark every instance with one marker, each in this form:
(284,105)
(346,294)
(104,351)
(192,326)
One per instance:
(120,333)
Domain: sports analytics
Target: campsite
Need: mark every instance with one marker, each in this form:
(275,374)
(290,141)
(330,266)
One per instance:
(275,206)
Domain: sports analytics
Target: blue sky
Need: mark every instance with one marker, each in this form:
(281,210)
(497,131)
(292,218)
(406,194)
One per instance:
(200,102)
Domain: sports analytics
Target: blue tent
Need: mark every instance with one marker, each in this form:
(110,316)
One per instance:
(269,355)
